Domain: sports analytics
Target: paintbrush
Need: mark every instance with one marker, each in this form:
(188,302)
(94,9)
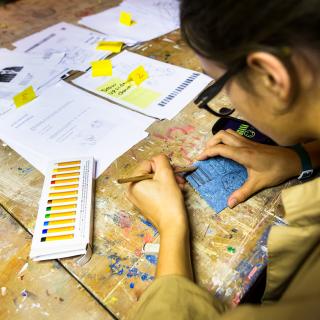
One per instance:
(150,175)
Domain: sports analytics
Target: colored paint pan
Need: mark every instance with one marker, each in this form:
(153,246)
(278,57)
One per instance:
(65,181)
(66,169)
(58,222)
(60,214)
(59,208)
(65,175)
(56,238)
(56,230)
(63,194)
(64,200)
(66,187)
(69,163)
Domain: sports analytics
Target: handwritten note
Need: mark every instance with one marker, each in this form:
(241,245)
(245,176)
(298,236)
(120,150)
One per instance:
(24,97)
(216,179)
(101,68)
(138,75)
(113,46)
(126,18)
(129,92)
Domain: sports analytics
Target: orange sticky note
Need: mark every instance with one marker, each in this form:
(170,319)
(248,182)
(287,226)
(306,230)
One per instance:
(126,18)
(24,97)
(138,75)
(101,68)
(113,46)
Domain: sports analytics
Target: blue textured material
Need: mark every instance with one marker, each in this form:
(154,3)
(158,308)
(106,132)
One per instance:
(215,180)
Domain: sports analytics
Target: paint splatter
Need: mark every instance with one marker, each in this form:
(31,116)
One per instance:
(152,259)
(23,269)
(124,220)
(149,224)
(113,300)
(144,277)
(138,252)
(133,272)
(116,266)
(131,285)
(231,249)
(24,293)
(25,171)
(3,291)
(147,238)
(146,222)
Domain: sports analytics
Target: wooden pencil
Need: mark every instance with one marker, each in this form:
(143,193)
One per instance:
(150,175)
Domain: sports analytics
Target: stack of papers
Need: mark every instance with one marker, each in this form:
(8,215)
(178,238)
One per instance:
(165,92)
(151,19)
(77,45)
(65,121)
(68,122)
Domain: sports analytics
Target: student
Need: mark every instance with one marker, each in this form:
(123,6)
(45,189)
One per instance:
(271,51)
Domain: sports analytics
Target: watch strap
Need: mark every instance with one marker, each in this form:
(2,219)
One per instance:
(306,164)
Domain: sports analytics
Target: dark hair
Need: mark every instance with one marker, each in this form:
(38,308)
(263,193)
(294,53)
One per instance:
(227,30)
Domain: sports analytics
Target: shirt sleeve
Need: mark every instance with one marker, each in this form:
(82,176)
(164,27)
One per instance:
(176,297)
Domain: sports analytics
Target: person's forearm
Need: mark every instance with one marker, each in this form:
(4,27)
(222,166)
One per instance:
(174,256)
(313,149)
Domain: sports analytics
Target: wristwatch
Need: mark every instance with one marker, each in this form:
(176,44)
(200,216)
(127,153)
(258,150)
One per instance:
(307,170)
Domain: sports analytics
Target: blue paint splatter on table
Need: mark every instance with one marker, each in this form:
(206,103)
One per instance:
(152,259)
(149,224)
(216,179)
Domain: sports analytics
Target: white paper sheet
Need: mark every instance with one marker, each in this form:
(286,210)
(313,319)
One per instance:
(151,19)
(76,43)
(66,122)
(173,87)
(20,70)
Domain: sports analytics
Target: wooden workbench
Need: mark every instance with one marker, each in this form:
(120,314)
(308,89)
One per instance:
(108,286)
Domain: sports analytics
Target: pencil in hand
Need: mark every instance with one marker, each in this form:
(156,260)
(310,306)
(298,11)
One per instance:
(150,175)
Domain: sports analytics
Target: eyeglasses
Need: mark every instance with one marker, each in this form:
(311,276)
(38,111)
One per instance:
(209,93)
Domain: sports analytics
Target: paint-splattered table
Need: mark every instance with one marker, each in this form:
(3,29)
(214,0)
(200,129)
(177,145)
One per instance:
(227,248)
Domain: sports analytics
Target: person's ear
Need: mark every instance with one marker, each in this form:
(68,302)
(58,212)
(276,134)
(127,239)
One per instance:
(275,77)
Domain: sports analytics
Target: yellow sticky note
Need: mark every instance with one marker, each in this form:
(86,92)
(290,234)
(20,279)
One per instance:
(126,18)
(101,68)
(127,91)
(141,97)
(24,97)
(138,75)
(113,46)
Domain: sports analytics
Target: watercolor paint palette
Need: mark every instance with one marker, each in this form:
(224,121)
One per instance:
(65,215)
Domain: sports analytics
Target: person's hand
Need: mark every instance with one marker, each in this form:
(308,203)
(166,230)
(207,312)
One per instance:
(160,199)
(266,165)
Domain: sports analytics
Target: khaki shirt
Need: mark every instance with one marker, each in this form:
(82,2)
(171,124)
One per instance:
(293,273)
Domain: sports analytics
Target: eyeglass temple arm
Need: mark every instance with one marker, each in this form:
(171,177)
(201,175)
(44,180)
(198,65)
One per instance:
(217,86)
(212,90)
